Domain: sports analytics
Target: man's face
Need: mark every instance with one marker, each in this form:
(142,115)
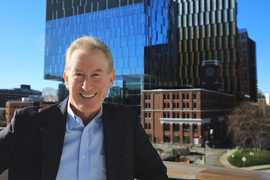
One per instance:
(88,82)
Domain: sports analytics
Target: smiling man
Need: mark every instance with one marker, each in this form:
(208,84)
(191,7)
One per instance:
(81,137)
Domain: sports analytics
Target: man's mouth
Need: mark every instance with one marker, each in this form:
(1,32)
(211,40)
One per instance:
(88,96)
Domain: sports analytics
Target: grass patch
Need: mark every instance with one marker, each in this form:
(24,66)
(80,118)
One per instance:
(259,158)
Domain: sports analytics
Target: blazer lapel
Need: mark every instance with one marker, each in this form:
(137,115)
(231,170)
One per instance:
(113,135)
(53,139)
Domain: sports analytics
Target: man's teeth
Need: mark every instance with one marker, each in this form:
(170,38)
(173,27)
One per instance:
(88,96)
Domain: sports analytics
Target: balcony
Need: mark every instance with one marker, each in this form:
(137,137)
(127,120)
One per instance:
(182,171)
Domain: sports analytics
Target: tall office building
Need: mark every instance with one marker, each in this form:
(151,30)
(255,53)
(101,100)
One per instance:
(207,30)
(247,66)
(141,35)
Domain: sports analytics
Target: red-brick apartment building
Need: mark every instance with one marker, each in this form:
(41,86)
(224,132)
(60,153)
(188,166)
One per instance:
(184,115)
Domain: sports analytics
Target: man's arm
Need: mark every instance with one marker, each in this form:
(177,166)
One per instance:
(148,165)
(7,144)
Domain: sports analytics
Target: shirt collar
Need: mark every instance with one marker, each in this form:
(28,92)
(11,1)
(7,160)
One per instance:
(73,119)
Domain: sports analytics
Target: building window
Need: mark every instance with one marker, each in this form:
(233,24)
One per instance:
(186,128)
(177,96)
(168,115)
(184,105)
(173,96)
(164,105)
(176,139)
(177,115)
(187,115)
(145,114)
(166,127)
(167,138)
(187,96)
(149,126)
(173,105)
(183,96)
(145,97)
(177,105)
(195,106)
(195,128)
(194,116)
(149,105)
(184,115)
(173,115)
(168,96)
(186,139)
(176,127)
(145,126)
(149,97)
(145,105)
(168,105)
(194,96)
(149,115)
(164,96)
(187,105)
(164,115)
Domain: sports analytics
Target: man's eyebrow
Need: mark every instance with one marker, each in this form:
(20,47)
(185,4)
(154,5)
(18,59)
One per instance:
(98,70)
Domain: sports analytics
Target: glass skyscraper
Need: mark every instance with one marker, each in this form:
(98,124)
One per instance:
(141,34)
(208,31)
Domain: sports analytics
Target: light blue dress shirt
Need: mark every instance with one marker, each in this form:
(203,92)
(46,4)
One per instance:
(83,155)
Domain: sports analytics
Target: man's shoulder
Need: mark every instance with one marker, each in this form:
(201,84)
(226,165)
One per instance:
(113,108)
(117,107)
(36,110)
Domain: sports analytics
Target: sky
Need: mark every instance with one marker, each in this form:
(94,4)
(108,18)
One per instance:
(22,41)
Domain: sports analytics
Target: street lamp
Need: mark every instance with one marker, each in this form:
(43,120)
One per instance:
(205,134)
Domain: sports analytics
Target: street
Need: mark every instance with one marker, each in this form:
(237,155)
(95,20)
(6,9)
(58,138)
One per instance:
(212,156)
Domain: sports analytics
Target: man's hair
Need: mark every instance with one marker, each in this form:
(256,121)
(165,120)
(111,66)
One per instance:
(87,44)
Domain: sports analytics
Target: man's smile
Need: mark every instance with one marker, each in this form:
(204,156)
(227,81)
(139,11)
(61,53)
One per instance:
(88,96)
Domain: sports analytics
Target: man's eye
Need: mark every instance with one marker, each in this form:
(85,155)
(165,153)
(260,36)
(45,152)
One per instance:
(96,74)
(78,75)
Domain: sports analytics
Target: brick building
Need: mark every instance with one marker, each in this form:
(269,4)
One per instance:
(16,94)
(184,115)
(12,106)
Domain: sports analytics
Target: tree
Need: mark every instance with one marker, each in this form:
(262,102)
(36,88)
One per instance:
(245,124)
(2,115)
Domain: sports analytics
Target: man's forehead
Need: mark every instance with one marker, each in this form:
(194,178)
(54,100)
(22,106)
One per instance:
(95,70)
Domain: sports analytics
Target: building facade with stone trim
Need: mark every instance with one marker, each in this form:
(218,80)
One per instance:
(185,116)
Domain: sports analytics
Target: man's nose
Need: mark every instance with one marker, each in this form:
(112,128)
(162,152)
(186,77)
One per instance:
(87,83)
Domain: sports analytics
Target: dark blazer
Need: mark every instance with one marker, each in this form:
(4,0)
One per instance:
(31,145)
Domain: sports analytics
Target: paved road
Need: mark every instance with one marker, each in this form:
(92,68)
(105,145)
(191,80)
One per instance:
(212,155)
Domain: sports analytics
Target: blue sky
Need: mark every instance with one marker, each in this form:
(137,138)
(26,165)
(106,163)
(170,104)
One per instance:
(22,35)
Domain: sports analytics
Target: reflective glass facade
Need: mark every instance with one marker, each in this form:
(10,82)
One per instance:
(208,31)
(136,33)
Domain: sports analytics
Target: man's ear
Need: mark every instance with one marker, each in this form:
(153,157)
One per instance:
(66,79)
(111,79)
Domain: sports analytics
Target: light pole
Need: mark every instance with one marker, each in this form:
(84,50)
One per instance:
(204,152)
(205,134)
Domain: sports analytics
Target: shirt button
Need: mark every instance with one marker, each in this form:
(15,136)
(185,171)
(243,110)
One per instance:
(83,157)
(84,133)
(77,119)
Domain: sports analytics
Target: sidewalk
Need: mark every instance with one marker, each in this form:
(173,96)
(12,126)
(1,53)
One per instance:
(224,162)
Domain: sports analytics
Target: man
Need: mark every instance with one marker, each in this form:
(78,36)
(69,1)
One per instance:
(81,137)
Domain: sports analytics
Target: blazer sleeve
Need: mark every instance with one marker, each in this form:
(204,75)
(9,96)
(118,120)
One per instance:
(148,165)
(7,144)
